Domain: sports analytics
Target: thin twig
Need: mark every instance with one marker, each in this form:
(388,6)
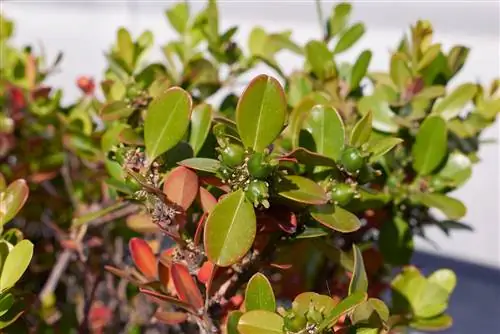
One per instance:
(88,305)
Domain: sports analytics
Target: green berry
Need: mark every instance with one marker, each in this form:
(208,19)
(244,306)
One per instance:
(342,194)
(233,155)
(258,167)
(352,160)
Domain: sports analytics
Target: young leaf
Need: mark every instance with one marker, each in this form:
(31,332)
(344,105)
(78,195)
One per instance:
(232,322)
(201,121)
(438,323)
(451,105)
(167,120)
(359,69)
(430,145)
(207,200)
(383,116)
(428,57)
(260,322)
(359,280)
(163,273)
(320,59)
(259,294)
(230,229)
(327,129)
(12,200)
(458,168)
(362,130)
(299,114)
(186,287)
(345,306)
(202,164)
(365,312)
(349,37)
(451,207)
(178,16)
(379,147)
(260,114)
(335,218)
(396,241)
(400,73)
(339,18)
(143,257)
(181,186)
(299,87)
(303,301)
(445,278)
(301,189)
(126,48)
(16,264)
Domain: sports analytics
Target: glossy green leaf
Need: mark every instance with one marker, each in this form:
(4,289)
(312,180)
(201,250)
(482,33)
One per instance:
(362,130)
(458,168)
(364,313)
(345,306)
(201,121)
(428,57)
(451,207)
(359,280)
(230,229)
(260,114)
(335,218)
(320,59)
(232,322)
(16,264)
(396,241)
(202,164)
(178,16)
(451,105)
(349,38)
(327,129)
(167,120)
(301,189)
(259,294)
(445,278)
(6,302)
(435,324)
(359,69)
(400,73)
(380,147)
(10,317)
(339,18)
(260,322)
(299,114)
(307,157)
(383,116)
(430,145)
(12,200)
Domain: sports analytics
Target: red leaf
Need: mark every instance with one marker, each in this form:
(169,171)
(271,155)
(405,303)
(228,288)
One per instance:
(143,257)
(206,199)
(171,318)
(160,298)
(205,272)
(186,286)
(181,186)
(199,229)
(163,273)
(216,182)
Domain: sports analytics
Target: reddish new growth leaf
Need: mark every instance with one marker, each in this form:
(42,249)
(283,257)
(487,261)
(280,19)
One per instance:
(171,318)
(163,273)
(205,272)
(216,182)
(86,84)
(206,199)
(181,186)
(143,257)
(199,228)
(186,286)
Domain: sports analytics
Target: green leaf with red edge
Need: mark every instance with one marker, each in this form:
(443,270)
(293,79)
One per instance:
(259,294)
(260,113)
(431,144)
(359,280)
(166,122)
(435,324)
(301,189)
(186,287)
(327,129)
(171,318)
(206,199)
(260,322)
(181,186)
(143,257)
(201,121)
(201,164)
(12,200)
(345,306)
(160,298)
(232,322)
(230,229)
(335,218)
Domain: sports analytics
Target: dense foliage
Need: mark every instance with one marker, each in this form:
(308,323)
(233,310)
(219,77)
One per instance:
(285,208)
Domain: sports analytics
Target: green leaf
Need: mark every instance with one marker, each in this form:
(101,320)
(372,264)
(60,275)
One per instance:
(257,42)
(260,322)
(10,317)
(445,278)
(201,121)
(167,120)
(362,130)
(12,200)
(259,294)
(312,232)
(178,16)
(451,207)
(299,114)
(431,92)
(456,59)
(202,164)
(335,218)
(232,322)
(345,306)
(16,264)
(307,157)
(349,37)
(451,105)
(130,137)
(6,302)
(364,313)
(359,69)
(458,168)
(230,229)
(400,73)
(380,147)
(303,302)
(3,183)
(430,146)
(383,116)
(428,57)
(327,129)
(439,323)
(396,241)
(339,18)
(89,217)
(299,87)
(126,48)
(301,189)
(359,280)
(320,59)
(260,114)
